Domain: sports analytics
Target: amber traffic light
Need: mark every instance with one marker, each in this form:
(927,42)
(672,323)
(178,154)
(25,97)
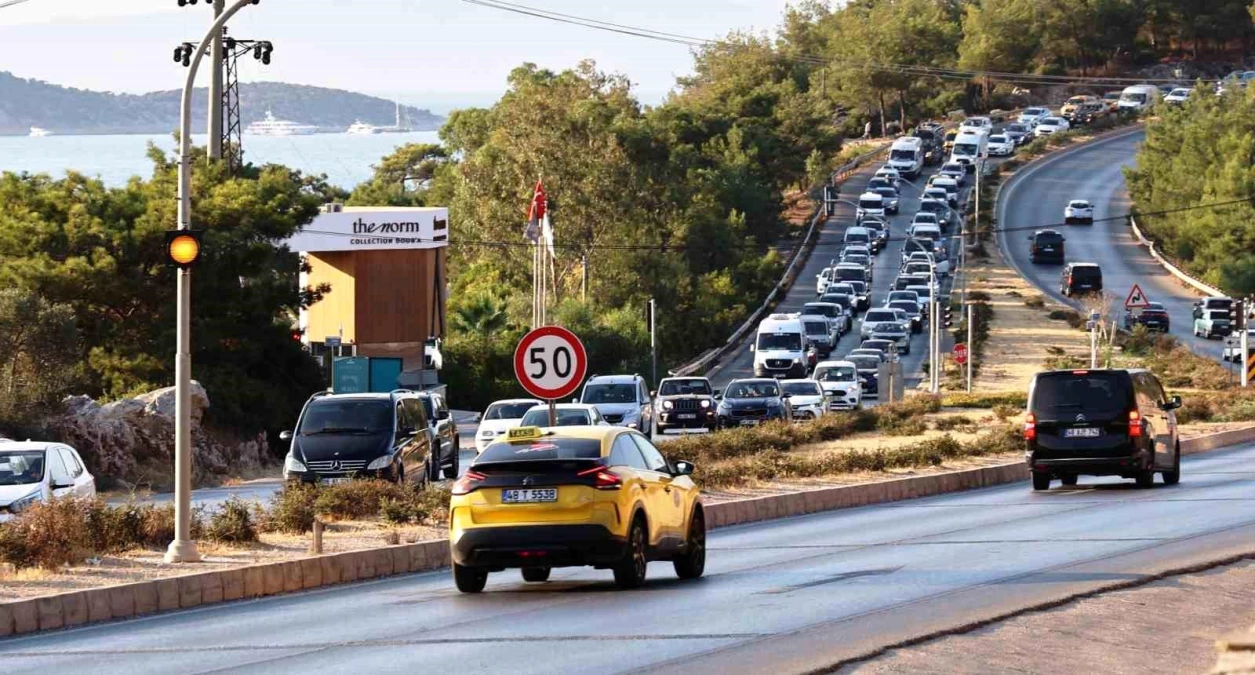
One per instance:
(183,248)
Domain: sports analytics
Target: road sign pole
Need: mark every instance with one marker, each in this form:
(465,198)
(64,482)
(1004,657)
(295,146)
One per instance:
(970,314)
(1246,357)
(553,413)
(1093,345)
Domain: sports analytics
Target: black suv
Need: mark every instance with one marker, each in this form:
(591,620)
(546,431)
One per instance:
(1101,423)
(339,437)
(1046,246)
(685,403)
(1080,278)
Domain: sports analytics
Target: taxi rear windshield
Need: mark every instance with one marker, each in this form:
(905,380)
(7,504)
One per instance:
(541,448)
(1062,395)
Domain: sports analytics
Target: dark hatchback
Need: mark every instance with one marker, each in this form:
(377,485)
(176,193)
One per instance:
(1154,316)
(1078,278)
(752,401)
(1046,246)
(1101,423)
(339,437)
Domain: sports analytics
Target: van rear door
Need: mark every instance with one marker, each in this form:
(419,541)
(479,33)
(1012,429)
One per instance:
(1082,412)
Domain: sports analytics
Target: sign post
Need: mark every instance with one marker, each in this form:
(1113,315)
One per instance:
(550,363)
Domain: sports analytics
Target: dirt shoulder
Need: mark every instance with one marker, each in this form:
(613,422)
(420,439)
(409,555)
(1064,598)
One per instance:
(1169,626)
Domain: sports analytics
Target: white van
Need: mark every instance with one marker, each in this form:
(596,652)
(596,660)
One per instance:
(1137,98)
(870,204)
(968,149)
(780,347)
(907,156)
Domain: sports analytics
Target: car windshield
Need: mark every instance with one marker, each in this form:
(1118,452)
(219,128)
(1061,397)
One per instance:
(1017,127)
(885,192)
(869,203)
(880,315)
(902,154)
(540,449)
(609,393)
(802,388)
(566,417)
(21,467)
(859,287)
(756,389)
(347,416)
(925,217)
(997,139)
(1035,111)
(965,149)
(881,346)
(931,206)
(508,411)
(695,387)
(1133,98)
(856,259)
(836,373)
(864,362)
(879,182)
(790,342)
(936,193)
(1063,395)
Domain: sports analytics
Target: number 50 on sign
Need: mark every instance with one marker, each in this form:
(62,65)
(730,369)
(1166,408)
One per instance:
(550,362)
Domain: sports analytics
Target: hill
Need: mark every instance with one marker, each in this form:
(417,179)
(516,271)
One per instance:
(64,110)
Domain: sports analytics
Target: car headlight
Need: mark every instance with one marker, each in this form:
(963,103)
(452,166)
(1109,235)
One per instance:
(667,405)
(293,465)
(19,505)
(380,463)
(705,403)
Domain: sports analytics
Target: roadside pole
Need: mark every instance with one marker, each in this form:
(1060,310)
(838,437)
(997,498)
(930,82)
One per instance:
(970,354)
(215,88)
(1094,323)
(183,548)
(553,413)
(1244,350)
(653,344)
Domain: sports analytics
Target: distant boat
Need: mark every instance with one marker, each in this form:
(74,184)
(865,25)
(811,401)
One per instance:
(270,126)
(396,128)
(36,132)
(362,128)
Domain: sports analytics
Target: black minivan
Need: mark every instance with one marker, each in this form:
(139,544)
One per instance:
(1046,246)
(1080,278)
(1101,423)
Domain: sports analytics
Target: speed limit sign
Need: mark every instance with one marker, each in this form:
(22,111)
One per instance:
(550,362)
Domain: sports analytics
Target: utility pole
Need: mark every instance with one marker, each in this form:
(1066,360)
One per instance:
(215,88)
(653,344)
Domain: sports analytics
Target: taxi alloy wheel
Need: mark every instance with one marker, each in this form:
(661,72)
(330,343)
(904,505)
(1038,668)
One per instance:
(693,562)
(469,579)
(536,574)
(630,572)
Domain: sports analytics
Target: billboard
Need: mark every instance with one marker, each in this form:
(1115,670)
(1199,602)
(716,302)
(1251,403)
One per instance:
(374,229)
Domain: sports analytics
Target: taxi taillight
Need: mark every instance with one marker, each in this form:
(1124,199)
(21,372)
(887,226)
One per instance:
(467,483)
(603,477)
(1030,427)
(1135,424)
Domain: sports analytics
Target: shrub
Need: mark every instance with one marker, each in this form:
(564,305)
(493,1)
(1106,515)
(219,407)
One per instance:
(1036,302)
(232,524)
(54,534)
(950,423)
(292,509)
(356,499)
(114,528)
(1014,398)
(1073,317)
(1002,411)
(429,506)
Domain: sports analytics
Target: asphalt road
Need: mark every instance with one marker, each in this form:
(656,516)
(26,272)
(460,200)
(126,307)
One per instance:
(828,246)
(1036,197)
(780,596)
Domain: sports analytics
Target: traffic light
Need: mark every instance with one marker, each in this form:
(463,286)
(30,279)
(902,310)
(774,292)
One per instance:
(946,310)
(297,334)
(183,248)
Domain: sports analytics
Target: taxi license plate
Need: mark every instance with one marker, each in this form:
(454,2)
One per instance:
(749,423)
(335,481)
(529,495)
(1084,432)
(687,416)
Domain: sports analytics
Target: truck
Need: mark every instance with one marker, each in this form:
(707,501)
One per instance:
(907,156)
(780,347)
(969,148)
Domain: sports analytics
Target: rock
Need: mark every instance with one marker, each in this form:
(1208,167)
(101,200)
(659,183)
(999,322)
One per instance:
(132,440)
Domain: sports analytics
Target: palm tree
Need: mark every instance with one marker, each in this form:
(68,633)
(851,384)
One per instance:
(482,313)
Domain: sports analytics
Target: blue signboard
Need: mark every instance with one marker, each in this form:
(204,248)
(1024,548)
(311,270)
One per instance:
(384,373)
(350,375)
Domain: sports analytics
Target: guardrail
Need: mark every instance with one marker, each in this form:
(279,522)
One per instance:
(1172,269)
(786,280)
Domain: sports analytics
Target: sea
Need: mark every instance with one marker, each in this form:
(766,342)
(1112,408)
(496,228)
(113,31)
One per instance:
(346,160)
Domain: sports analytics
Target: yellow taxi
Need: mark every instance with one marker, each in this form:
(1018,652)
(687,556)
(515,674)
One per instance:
(603,496)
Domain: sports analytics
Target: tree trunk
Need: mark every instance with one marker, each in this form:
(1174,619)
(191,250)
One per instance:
(901,111)
(883,128)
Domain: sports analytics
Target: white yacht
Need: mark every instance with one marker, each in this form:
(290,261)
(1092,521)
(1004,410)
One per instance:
(270,126)
(36,132)
(362,128)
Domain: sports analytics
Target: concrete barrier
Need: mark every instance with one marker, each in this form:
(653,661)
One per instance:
(1172,269)
(124,601)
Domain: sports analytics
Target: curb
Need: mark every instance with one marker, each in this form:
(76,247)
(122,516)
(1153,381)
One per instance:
(125,601)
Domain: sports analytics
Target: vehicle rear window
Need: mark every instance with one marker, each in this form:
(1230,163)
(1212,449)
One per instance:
(808,388)
(508,411)
(880,315)
(539,417)
(1049,238)
(1065,394)
(864,362)
(1086,272)
(545,448)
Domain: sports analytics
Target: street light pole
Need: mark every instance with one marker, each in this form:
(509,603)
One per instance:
(215,88)
(183,548)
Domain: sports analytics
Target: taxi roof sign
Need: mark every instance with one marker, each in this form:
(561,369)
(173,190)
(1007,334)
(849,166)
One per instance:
(523,434)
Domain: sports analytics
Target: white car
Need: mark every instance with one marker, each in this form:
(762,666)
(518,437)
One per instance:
(806,398)
(566,414)
(890,174)
(36,471)
(1049,125)
(951,188)
(980,125)
(873,319)
(840,383)
(1000,146)
(500,417)
(1031,116)
(1177,96)
(1079,211)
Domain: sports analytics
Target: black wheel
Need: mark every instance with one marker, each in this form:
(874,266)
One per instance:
(451,471)
(433,467)
(1041,481)
(1068,479)
(1145,479)
(1174,476)
(400,474)
(469,579)
(536,574)
(693,562)
(630,572)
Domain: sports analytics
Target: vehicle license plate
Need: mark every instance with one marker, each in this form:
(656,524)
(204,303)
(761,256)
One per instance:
(749,423)
(335,481)
(529,495)
(687,416)
(1083,432)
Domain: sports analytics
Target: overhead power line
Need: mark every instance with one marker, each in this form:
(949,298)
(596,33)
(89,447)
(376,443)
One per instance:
(10,3)
(898,68)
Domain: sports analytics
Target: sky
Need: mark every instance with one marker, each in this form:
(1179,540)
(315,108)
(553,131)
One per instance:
(439,54)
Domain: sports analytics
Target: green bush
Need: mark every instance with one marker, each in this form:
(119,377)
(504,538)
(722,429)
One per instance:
(976,400)
(232,524)
(355,499)
(52,534)
(292,509)
(427,506)
(952,423)
(1036,302)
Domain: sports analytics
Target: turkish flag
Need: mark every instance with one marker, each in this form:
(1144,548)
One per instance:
(535,213)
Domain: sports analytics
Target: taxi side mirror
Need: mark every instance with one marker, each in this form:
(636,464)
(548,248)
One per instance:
(683,468)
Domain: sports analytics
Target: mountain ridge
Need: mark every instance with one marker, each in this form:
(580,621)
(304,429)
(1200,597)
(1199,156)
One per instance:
(26,103)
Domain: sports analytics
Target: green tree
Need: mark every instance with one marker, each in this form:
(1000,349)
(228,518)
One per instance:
(38,343)
(401,178)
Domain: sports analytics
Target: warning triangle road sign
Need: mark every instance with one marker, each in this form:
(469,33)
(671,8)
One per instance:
(1136,298)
